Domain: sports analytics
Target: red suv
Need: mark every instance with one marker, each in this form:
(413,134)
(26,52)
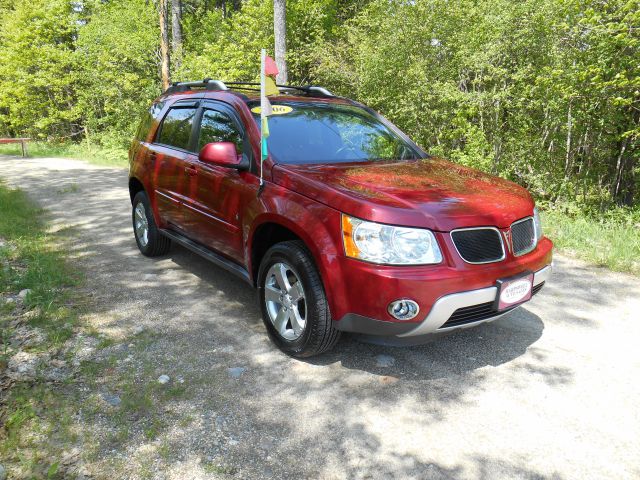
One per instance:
(354,229)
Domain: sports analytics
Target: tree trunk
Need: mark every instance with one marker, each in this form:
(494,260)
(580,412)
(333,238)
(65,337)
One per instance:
(626,185)
(280,32)
(176,33)
(567,158)
(164,45)
(622,185)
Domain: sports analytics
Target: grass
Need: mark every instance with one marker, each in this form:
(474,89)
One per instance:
(41,422)
(611,241)
(92,153)
(31,440)
(214,468)
(31,261)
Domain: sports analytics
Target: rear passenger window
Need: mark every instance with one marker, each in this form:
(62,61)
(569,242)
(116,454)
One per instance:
(147,121)
(176,127)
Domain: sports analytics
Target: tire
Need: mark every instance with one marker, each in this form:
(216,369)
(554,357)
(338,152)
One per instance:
(154,243)
(317,335)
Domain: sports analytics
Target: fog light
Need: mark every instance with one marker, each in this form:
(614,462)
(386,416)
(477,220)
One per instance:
(403,309)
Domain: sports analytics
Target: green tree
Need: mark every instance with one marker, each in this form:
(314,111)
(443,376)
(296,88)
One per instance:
(544,92)
(118,68)
(37,69)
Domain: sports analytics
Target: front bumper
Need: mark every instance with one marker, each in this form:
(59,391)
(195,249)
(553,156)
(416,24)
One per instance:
(359,292)
(444,308)
(474,307)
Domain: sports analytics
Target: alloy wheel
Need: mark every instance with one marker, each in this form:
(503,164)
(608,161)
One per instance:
(141,224)
(285,301)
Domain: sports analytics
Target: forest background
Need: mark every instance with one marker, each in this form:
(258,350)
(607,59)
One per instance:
(543,92)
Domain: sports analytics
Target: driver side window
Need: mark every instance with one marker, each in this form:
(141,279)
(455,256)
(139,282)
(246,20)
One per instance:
(218,127)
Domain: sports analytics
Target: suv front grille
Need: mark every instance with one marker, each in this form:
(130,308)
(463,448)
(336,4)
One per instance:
(478,245)
(471,314)
(523,236)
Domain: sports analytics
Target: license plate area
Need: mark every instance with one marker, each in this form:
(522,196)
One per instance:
(513,291)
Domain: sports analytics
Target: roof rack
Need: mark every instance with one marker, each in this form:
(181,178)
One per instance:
(311,90)
(209,84)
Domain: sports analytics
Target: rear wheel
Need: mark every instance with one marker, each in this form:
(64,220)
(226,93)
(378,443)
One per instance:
(293,303)
(148,237)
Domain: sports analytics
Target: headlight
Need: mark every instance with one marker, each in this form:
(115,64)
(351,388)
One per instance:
(378,243)
(538,224)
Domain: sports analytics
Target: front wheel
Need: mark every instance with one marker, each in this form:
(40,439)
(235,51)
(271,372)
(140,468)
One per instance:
(148,237)
(293,302)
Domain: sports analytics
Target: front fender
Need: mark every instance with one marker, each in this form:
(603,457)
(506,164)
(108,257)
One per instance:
(316,224)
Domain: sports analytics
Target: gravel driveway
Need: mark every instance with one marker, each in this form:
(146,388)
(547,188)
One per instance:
(550,391)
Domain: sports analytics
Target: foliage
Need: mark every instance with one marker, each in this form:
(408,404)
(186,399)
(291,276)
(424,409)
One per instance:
(544,92)
(611,240)
(117,69)
(37,91)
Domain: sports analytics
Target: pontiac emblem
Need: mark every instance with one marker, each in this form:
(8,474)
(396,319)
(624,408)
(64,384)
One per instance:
(507,238)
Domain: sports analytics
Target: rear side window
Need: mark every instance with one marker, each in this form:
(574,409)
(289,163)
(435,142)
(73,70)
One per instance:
(147,121)
(218,127)
(176,127)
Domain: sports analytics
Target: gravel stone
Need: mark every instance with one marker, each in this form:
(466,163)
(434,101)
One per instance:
(220,422)
(236,372)
(113,400)
(32,314)
(23,293)
(28,337)
(23,366)
(163,379)
(385,361)
(84,348)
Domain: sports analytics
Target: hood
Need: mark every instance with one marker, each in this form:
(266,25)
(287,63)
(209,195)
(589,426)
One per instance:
(431,193)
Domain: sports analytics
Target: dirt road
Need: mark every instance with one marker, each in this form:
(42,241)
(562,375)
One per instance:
(550,391)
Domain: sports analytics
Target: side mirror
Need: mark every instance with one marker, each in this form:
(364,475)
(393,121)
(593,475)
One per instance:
(221,153)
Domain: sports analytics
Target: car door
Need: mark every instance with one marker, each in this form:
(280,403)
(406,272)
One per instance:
(213,215)
(172,158)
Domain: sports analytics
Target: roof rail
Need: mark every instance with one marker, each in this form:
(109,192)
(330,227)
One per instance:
(207,84)
(311,90)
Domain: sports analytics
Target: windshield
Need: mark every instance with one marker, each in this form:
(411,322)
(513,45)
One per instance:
(308,133)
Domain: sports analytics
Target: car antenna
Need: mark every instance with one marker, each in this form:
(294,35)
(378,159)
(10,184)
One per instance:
(263,54)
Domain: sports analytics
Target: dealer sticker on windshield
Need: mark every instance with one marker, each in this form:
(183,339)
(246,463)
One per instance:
(514,291)
(275,109)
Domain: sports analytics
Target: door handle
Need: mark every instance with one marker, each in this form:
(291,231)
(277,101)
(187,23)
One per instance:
(191,171)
